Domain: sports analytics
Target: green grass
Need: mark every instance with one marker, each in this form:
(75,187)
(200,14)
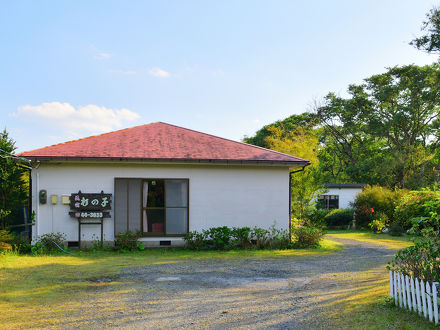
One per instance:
(49,291)
(364,306)
(386,240)
(35,289)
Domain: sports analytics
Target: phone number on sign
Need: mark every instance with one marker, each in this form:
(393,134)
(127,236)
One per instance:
(89,215)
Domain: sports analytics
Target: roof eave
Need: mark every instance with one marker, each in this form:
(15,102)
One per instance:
(169,160)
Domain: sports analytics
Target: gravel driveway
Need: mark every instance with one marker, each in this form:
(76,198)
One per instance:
(275,292)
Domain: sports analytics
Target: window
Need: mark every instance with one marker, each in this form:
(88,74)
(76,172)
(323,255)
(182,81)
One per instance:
(156,207)
(165,207)
(329,201)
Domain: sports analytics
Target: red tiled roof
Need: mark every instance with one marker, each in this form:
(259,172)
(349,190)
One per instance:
(161,141)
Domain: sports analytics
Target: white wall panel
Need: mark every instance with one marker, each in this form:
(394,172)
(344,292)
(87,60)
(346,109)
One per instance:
(218,195)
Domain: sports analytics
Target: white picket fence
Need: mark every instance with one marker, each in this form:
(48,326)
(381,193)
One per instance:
(415,295)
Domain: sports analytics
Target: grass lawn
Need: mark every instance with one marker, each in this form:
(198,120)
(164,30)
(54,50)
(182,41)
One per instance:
(34,289)
(392,242)
(47,291)
(367,308)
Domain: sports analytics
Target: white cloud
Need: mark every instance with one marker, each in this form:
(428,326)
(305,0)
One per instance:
(91,118)
(158,72)
(102,56)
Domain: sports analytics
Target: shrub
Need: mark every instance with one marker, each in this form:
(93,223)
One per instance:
(6,236)
(379,222)
(396,229)
(417,204)
(260,236)
(307,237)
(242,236)
(339,218)
(219,237)
(49,243)
(375,199)
(420,260)
(377,226)
(21,244)
(195,240)
(278,238)
(127,241)
(315,217)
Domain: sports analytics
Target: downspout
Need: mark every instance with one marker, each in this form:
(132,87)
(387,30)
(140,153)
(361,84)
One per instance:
(290,199)
(30,207)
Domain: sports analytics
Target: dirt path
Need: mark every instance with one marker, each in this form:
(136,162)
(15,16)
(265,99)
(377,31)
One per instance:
(247,293)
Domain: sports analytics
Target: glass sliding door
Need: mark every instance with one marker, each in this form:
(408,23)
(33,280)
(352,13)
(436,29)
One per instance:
(165,207)
(176,206)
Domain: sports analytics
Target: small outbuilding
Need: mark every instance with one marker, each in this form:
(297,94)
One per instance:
(340,195)
(159,179)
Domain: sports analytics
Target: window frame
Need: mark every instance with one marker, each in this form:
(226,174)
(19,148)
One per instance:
(326,198)
(164,233)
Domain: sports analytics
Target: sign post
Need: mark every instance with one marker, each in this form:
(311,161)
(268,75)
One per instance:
(94,206)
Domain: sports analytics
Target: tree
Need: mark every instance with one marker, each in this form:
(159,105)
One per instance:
(430,42)
(392,119)
(13,185)
(305,120)
(303,143)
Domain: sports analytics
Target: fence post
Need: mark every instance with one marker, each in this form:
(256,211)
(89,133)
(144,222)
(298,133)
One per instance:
(391,284)
(428,296)
(396,298)
(423,289)
(402,279)
(400,290)
(419,302)
(434,300)
(413,293)
(408,292)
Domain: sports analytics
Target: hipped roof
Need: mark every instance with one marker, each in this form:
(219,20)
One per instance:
(162,142)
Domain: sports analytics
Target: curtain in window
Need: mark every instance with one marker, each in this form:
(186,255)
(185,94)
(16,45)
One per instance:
(144,205)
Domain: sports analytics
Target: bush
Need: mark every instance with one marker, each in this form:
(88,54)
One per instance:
(222,238)
(375,199)
(420,260)
(340,218)
(396,229)
(49,243)
(242,236)
(315,217)
(379,222)
(307,237)
(219,237)
(278,239)
(5,238)
(417,204)
(195,240)
(128,241)
(261,237)
(21,244)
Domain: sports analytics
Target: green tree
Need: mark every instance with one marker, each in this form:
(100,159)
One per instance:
(303,143)
(306,120)
(13,183)
(430,42)
(386,131)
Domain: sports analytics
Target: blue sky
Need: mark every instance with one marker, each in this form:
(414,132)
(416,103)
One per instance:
(71,69)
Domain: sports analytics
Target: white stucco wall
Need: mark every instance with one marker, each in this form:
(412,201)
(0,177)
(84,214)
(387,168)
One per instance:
(218,195)
(346,195)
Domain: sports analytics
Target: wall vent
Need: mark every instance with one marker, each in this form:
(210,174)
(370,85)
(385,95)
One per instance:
(165,243)
(72,244)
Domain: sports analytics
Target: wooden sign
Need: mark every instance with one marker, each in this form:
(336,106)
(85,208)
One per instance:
(90,205)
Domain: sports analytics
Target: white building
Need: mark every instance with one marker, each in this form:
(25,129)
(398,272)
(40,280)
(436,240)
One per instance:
(163,180)
(340,195)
